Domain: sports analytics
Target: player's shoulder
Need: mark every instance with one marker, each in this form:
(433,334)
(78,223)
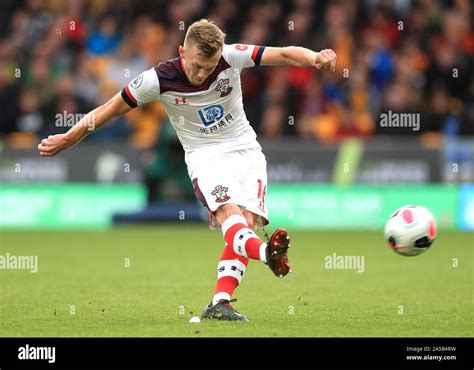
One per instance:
(147,80)
(232,49)
(242,55)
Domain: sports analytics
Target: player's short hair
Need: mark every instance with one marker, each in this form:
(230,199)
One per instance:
(206,36)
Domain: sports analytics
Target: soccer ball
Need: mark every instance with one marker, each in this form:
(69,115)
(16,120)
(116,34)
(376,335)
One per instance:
(410,230)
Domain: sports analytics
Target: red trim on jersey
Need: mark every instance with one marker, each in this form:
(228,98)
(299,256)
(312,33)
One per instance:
(257,54)
(129,94)
(255,51)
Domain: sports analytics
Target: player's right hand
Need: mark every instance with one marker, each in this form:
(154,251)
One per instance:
(53,145)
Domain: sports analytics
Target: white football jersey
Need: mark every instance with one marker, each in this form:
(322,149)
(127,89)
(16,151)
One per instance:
(209,119)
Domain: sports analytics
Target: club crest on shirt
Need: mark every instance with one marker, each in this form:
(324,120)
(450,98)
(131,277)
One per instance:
(137,82)
(220,192)
(223,87)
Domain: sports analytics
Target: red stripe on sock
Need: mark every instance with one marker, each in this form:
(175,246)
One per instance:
(252,245)
(229,254)
(228,283)
(229,235)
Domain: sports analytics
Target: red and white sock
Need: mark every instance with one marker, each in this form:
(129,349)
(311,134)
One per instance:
(230,271)
(242,240)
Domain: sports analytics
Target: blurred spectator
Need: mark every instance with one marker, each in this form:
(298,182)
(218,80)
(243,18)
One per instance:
(29,119)
(65,104)
(106,39)
(9,89)
(399,56)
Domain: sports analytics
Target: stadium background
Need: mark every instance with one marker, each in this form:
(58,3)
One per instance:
(60,59)
(335,173)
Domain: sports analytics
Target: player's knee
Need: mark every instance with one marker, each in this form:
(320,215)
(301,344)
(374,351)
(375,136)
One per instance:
(229,209)
(251,219)
(226,210)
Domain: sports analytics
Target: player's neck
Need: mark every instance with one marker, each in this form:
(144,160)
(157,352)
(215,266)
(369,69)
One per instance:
(181,63)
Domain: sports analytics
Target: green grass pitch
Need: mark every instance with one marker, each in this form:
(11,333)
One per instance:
(171,277)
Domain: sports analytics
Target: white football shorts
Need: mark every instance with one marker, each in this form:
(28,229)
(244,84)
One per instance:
(238,177)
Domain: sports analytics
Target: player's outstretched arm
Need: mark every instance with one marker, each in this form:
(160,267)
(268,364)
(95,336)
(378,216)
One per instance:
(299,57)
(90,122)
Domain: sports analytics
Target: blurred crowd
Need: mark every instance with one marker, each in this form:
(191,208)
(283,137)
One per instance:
(61,57)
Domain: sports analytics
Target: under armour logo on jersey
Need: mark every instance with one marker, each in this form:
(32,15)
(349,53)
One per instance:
(178,102)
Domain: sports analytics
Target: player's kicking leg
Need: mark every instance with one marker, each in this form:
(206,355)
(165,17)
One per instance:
(276,252)
(243,244)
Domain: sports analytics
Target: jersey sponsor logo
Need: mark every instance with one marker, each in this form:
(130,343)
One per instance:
(221,124)
(137,82)
(241,47)
(223,87)
(220,192)
(211,114)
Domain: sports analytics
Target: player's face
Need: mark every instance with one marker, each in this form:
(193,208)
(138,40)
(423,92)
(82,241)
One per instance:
(196,66)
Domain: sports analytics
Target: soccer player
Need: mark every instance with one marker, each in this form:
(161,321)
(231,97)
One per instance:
(201,93)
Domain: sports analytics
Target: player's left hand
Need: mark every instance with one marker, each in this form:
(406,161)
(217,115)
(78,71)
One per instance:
(53,145)
(326,59)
